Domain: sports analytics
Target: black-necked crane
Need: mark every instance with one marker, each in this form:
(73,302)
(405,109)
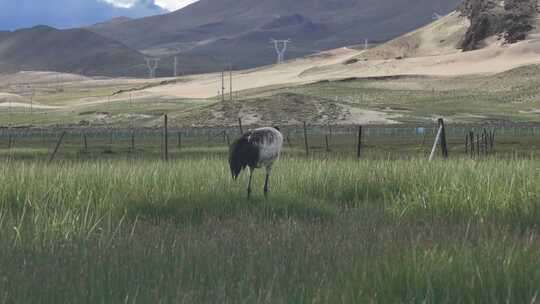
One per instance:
(255,149)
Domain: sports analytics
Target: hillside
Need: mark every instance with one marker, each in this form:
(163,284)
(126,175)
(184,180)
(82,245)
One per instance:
(239,31)
(513,20)
(74,50)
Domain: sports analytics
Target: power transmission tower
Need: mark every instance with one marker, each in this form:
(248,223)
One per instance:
(281,47)
(436,16)
(152,65)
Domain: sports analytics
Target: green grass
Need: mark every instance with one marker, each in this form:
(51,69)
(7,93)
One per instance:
(447,98)
(333,230)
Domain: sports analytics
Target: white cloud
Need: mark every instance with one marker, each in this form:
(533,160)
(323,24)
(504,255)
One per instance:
(173,5)
(121,3)
(170,5)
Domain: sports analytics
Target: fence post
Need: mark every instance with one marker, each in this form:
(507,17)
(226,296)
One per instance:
(492,139)
(486,142)
(58,143)
(471,140)
(306,139)
(435,144)
(132,141)
(288,138)
(478,145)
(359,145)
(85,142)
(10,140)
(227,138)
(166,136)
(327,144)
(240,126)
(466,143)
(444,145)
(43,142)
(179,140)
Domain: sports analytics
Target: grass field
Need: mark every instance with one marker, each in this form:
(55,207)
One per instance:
(108,221)
(334,230)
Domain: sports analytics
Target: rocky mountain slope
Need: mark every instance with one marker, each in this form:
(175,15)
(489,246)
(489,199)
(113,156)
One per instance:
(238,31)
(511,19)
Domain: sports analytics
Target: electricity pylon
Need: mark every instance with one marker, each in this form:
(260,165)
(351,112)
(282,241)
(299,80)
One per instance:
(281,47)
(152,65)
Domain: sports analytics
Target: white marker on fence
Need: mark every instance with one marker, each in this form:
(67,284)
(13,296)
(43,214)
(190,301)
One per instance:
(437,139)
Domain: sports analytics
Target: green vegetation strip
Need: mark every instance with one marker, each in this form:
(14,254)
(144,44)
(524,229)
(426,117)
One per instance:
(332,231)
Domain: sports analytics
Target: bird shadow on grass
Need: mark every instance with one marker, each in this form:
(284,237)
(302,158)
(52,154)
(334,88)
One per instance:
(203,209)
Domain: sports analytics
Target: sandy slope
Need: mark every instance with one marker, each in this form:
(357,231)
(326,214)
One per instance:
(496,58)
(431,51)
(39,77)
(16,101)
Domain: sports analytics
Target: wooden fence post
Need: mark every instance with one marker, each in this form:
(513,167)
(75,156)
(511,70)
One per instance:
(288,138)
(58,143)
(166,137)
(179,140)
(359,144)
(486,142)
(85,142)
(306,139)
(330,131)
(327,143)
(10,140)
(471,139)
(227,138)
(43,141)
(492,139)
(132,141)
(240,126)
(444,145)
(478,145)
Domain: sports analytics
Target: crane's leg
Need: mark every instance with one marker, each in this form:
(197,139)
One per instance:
(249,183)
(268,170)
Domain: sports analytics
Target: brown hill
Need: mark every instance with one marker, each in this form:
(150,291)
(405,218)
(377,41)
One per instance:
(74,50)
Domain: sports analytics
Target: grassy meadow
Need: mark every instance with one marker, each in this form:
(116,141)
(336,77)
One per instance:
(334,230)
(108,221)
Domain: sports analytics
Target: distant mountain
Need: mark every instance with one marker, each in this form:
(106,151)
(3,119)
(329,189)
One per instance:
(112,22)
(239,30)
(76,50)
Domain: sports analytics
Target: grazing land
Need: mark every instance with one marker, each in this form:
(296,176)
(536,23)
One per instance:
(333,230)
(108,220)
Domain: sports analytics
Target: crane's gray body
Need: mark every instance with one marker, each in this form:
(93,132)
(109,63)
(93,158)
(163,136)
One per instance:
(269,142)
(255,149)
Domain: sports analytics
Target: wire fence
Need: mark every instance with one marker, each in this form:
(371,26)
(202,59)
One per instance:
(389,141)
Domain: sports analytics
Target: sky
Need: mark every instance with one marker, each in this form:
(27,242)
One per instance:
(16,14)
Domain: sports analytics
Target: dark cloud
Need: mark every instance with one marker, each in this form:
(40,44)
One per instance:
(67,13)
